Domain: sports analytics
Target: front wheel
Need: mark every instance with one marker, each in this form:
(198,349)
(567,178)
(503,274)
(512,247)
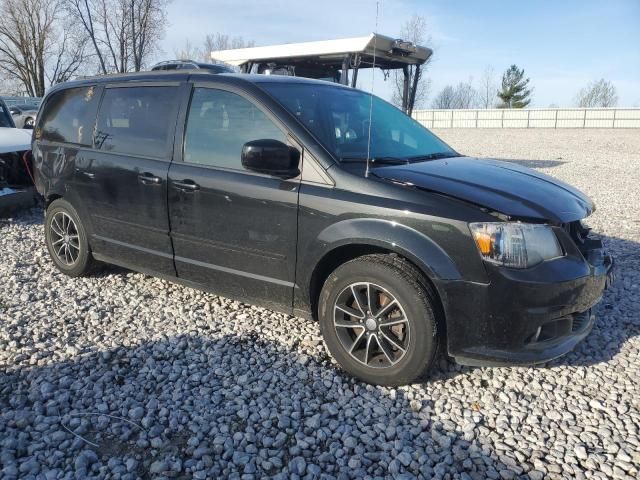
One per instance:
(377,317)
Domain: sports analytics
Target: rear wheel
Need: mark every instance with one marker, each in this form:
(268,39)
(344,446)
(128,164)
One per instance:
(66,240)
(377,318)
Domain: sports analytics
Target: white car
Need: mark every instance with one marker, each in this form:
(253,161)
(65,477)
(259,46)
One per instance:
(24,116)
(13,141)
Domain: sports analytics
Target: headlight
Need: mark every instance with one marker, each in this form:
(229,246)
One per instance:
(515,245)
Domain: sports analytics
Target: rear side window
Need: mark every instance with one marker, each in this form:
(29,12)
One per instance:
(218,126)
(69,116)
(137,121)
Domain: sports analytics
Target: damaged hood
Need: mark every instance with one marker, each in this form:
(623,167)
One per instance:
(14,140)
(503,187)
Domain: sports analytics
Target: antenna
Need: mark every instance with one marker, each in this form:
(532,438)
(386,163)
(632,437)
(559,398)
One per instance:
(373,77)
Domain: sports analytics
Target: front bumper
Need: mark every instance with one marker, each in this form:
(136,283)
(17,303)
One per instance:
(525,316)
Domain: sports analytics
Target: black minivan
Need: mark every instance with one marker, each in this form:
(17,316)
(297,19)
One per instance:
(322,201)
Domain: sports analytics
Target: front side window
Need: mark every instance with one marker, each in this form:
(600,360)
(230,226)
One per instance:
(137,121)
(339,118)
(218,126)
(69,116)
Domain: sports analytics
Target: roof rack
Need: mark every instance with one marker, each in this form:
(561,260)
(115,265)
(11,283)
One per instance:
(169,62)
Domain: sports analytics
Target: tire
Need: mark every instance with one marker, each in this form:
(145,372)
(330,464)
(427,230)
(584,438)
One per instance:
(67,240)
(389,355)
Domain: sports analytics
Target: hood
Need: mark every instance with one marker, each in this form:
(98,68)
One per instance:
(14,140)
(499,186)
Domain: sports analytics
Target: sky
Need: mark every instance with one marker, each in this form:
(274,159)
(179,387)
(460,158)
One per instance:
(562,45)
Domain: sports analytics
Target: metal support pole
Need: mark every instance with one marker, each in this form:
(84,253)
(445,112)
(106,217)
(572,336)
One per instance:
(356,66)
(555,124)
(414,89)
(344,78)
(405,89)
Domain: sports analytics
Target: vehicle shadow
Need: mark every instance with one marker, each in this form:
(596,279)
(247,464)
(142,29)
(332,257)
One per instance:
(221,406)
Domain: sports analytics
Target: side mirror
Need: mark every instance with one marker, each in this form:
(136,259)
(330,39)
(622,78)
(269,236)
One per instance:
(271,157)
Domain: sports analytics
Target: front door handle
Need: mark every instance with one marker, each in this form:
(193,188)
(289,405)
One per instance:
(186,185)
(149,179)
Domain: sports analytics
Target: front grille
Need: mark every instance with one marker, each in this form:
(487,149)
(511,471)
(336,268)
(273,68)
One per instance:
(579,233)
(580,321)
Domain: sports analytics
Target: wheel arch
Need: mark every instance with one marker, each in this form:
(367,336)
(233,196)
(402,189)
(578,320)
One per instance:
(50,198)
(354,238)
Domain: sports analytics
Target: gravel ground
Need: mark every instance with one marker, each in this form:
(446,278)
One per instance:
(125,376)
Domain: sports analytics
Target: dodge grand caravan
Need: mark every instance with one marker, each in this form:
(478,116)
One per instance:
(322,201)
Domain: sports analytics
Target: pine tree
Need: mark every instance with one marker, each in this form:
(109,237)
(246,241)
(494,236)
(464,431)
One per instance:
(514,93)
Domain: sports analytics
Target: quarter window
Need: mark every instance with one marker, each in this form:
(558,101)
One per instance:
(219,124)
(69,116)
(137,120)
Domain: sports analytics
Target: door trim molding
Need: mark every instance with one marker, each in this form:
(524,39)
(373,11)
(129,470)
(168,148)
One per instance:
(232,271)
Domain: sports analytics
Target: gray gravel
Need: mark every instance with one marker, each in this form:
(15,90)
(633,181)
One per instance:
(125,376)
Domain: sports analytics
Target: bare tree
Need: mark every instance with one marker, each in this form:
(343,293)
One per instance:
(414,30)
(488,90)
(148,21)
(10,86)
(445,98)
(221,41)
(211,43)
(35,47)
(597,94)
(461,96)
(123,33)
(188,52)
(466,96)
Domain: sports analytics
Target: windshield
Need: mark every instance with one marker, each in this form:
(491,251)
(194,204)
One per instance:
(339,118)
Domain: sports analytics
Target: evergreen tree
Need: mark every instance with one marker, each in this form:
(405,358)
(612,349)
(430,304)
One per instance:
(514,92)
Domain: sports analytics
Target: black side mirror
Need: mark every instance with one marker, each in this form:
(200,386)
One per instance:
(271,157)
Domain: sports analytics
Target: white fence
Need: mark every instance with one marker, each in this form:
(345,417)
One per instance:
(21,100)
(531,118)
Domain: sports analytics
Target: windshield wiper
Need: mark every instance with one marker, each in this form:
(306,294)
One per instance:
(400,160)
(433,156)
(376,160)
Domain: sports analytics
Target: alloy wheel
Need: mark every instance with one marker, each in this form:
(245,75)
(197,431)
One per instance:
(371,325)
(65,239)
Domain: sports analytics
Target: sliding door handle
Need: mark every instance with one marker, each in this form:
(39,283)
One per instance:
(186,185)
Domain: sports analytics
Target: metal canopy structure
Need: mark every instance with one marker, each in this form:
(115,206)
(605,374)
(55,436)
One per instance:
(337,60)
